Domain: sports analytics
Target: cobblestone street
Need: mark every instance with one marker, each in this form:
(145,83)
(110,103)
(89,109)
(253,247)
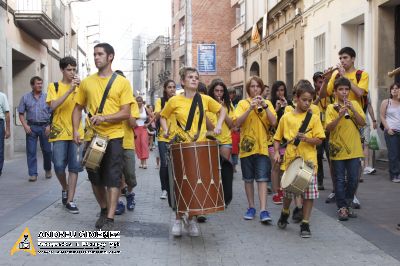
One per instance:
(226,239)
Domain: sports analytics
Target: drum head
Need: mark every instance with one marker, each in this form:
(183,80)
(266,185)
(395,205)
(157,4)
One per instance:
(291,172)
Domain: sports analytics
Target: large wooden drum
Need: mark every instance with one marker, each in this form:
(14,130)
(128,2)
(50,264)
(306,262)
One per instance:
(197,179)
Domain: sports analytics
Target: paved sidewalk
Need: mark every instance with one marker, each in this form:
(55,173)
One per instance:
(226,238)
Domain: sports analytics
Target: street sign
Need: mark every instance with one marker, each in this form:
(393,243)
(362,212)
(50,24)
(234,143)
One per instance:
(207,59)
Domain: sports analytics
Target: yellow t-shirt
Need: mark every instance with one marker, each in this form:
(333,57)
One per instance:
(225,137)
(253,136)
(91,92)
(179,106)
(288,129)
(61,128)
(322,105)
(171,122)
(314,109)
(128,143)
(363,84)
(344,139)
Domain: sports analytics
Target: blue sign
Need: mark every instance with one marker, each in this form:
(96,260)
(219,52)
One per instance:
(206,58)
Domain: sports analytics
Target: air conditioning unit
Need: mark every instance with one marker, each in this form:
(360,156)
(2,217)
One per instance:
(297,11)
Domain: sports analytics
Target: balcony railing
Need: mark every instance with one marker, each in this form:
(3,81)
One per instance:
(44,19)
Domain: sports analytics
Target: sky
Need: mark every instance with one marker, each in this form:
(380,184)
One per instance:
(120,21)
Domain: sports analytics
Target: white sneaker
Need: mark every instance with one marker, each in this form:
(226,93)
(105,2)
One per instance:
(194,229)
(177,228)
(369,170)
(164,194)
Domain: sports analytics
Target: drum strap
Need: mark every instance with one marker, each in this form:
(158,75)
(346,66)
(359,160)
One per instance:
(303,127)
(196,102)
(106,91)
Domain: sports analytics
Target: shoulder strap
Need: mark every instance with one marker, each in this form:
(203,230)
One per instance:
(106,91)
(265,127)
(56,86)
(196,101)
(358,75)
(303,126)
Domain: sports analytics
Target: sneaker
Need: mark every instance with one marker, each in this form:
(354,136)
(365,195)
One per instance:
(351,213)
(48,174)
(250,214)
(164,194)
(130,201)
(108,225)
(194,229)
(343,214)
(277,198)
(369,170)
(201,219)
(305,230)
(120,208)
(396,180)
(356,203)
(32,178)
(283,220)
(331,198)
(265,217)
(64,196)
(71,207)
(101,220)
(297,215)
(177,228)
(398,226)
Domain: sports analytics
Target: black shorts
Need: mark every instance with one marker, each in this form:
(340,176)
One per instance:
(110,171)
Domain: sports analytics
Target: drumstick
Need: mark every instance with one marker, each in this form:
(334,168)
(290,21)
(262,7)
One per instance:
(394,72)
(290,141)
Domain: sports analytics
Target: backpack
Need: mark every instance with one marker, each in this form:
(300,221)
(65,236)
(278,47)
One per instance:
(364,98)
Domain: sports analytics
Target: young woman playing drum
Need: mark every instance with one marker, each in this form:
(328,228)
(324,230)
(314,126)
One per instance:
(180,106)
(301,143)
(254,116)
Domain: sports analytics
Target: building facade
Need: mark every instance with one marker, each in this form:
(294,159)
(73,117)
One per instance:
(278,53)
(138,66)
(158,60)
(201,38)
(34,35)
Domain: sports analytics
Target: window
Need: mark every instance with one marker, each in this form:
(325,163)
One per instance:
(272,70)
(289,69)
(319,53)
(239,56)
(242,13)
(182,33)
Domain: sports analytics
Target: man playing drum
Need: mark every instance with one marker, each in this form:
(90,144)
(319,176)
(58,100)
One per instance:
(300,145)
(109,124)
(179,106)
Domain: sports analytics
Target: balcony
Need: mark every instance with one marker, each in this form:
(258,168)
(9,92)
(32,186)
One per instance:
(43,19)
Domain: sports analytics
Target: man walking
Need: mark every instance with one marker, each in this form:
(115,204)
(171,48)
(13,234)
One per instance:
(4,129)
(60,98)
(109,123)
(36,125)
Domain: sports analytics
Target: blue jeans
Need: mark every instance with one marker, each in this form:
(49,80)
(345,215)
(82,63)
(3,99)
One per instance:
(256,167)
(2,133)
(65,152)
(393,147)
(162,148)
(346,172)
(31,143)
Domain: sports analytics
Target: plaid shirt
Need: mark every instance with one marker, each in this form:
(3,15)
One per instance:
(37,110)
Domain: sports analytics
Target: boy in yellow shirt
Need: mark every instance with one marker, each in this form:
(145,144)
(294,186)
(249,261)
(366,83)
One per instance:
(288,128)
(343,120)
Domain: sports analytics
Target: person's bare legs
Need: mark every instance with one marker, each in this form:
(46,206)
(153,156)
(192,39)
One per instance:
(249,188)
(262,195)
(72,180)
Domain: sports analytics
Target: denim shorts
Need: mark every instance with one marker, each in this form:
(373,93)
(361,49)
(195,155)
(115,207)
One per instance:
(228,146)
(256,167)
(65,152)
